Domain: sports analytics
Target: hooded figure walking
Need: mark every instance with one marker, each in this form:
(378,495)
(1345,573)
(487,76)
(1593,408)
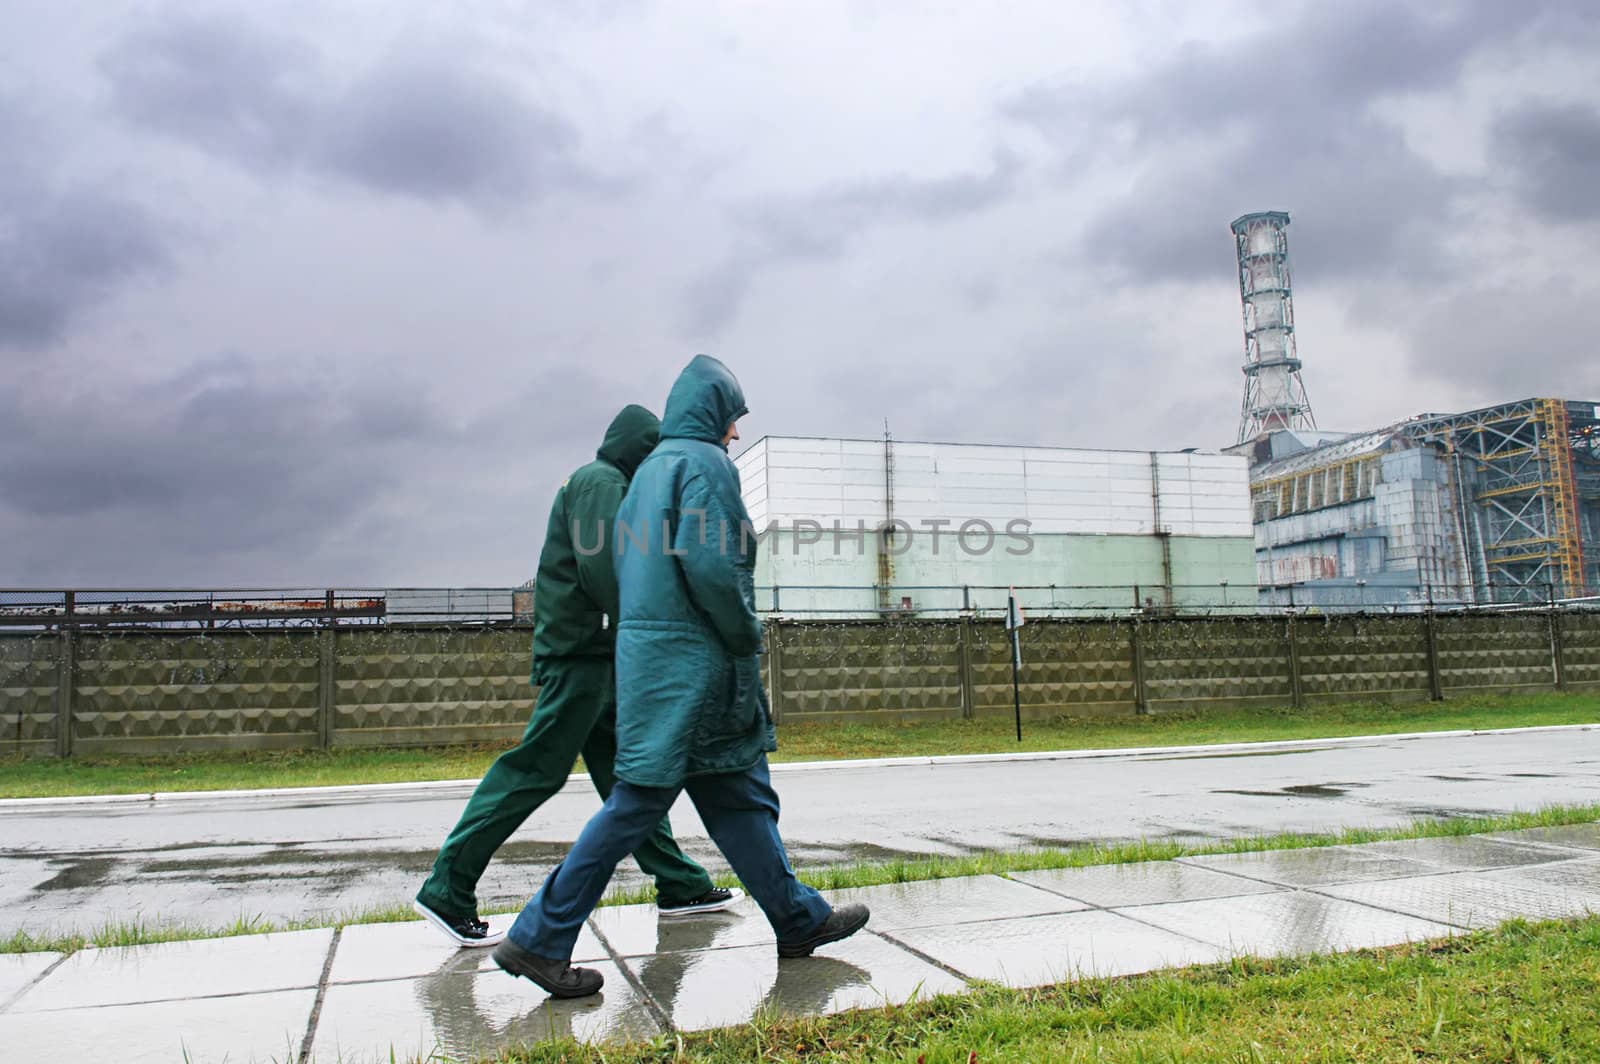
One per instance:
(574,631)
(691,712)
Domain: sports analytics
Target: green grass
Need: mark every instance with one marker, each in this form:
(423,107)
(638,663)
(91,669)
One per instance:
(40,777)
(838,877)
(1521,992)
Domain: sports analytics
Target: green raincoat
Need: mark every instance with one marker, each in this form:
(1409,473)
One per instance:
(689,694)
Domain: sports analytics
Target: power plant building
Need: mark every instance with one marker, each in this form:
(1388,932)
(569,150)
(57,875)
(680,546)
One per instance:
(857,527)
(1494,505)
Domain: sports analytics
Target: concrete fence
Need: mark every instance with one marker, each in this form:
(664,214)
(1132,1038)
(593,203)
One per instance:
(86,691)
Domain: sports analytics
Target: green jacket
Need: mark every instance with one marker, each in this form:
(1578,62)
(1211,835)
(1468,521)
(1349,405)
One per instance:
(689,694)
(576,587)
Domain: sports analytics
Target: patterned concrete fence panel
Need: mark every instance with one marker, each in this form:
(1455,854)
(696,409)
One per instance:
(853,670)
(1237,661)
(1495,651)
(1362,657)
(30,674)
(1068,668)
(406,687)
(1580,648)
(162,692)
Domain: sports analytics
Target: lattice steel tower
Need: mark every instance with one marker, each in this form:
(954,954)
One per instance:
(1274,395)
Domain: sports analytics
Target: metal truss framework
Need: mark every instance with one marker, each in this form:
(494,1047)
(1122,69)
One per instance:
(1538,467)
(1274,394)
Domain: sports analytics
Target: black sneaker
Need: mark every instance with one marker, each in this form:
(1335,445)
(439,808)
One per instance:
(466,931)
(714,900)
(842,923)
(558,978)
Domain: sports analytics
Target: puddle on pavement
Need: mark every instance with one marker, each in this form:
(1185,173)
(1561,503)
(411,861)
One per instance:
(1301,790)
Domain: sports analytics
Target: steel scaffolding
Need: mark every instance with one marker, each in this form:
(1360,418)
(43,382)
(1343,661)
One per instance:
(1274,394)
(1536,471)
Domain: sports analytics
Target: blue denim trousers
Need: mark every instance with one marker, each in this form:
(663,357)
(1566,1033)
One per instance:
(740,811)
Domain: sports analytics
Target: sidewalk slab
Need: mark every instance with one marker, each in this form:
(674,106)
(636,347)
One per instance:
(935,902)
(240,1029)
(1468,899)
(1469,853)
(720,987)
(1035,950)
(1581,836)
(17,970)
(1143,883)
(1287,924)
(458,1013)
(639,930)
(168,971)
(1311,867)
(413,948)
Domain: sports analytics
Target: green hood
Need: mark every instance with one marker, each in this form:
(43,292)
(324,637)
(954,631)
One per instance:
(630,439)
(705,400)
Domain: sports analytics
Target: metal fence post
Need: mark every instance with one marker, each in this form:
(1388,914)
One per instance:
(66,679)
(327,685)
(775,669)
(1296,693)
(964,667)
(1435,686)
(1558,647)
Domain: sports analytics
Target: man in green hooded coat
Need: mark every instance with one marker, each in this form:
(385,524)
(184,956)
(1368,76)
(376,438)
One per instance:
(691,712)
(575,611)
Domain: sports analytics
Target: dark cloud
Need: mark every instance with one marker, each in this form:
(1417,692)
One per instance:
(409,126)
(821,226)
(1279,120)
(439,133)
(64,248)
(1552,151)
(233,89)
(1509,342)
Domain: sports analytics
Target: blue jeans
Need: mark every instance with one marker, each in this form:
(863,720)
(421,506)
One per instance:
(740,810)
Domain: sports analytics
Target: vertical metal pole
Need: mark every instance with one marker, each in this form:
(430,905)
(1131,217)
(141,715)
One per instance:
(66,673)
(1294,663)
(1558,648)
(774,598)
(775,669)
(969,700)
(1435,686)
(1016,683)
(327,681)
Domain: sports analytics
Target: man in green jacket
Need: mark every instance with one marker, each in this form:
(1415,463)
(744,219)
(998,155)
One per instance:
(574,629)
(691,712)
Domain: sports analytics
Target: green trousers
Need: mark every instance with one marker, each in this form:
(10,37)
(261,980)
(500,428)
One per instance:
(576,713)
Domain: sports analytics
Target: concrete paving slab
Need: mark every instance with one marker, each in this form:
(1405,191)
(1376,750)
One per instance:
(246,964)
(1144,883)
(1466,899)
(951,901)
(464,1015)
(17,970)
(716,988)
(635,930)
(1315,867)
(1579,878)
(413,948)
(1580,836)
(1468,853)
(243,1029)
(1036,950)
(1288,924)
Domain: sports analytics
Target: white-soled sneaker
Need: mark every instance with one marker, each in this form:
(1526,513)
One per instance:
(714,900)
(468,932)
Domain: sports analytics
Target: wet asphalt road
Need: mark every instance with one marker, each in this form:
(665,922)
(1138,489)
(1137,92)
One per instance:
(210,861)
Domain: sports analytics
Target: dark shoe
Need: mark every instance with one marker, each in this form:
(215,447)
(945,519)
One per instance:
(842,923)
(467,931)
(712,901)
(559,978)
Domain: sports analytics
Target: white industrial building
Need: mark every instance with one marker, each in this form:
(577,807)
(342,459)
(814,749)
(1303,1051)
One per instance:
(856,527)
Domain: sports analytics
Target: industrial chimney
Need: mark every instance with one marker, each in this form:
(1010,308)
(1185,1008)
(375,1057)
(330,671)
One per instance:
(1274,395)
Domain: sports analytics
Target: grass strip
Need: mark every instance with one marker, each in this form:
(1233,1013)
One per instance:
(1520,992)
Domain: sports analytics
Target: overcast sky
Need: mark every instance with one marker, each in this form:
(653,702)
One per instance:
(317,293)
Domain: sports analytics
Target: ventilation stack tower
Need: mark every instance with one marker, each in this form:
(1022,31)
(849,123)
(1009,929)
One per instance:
(1274,395)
